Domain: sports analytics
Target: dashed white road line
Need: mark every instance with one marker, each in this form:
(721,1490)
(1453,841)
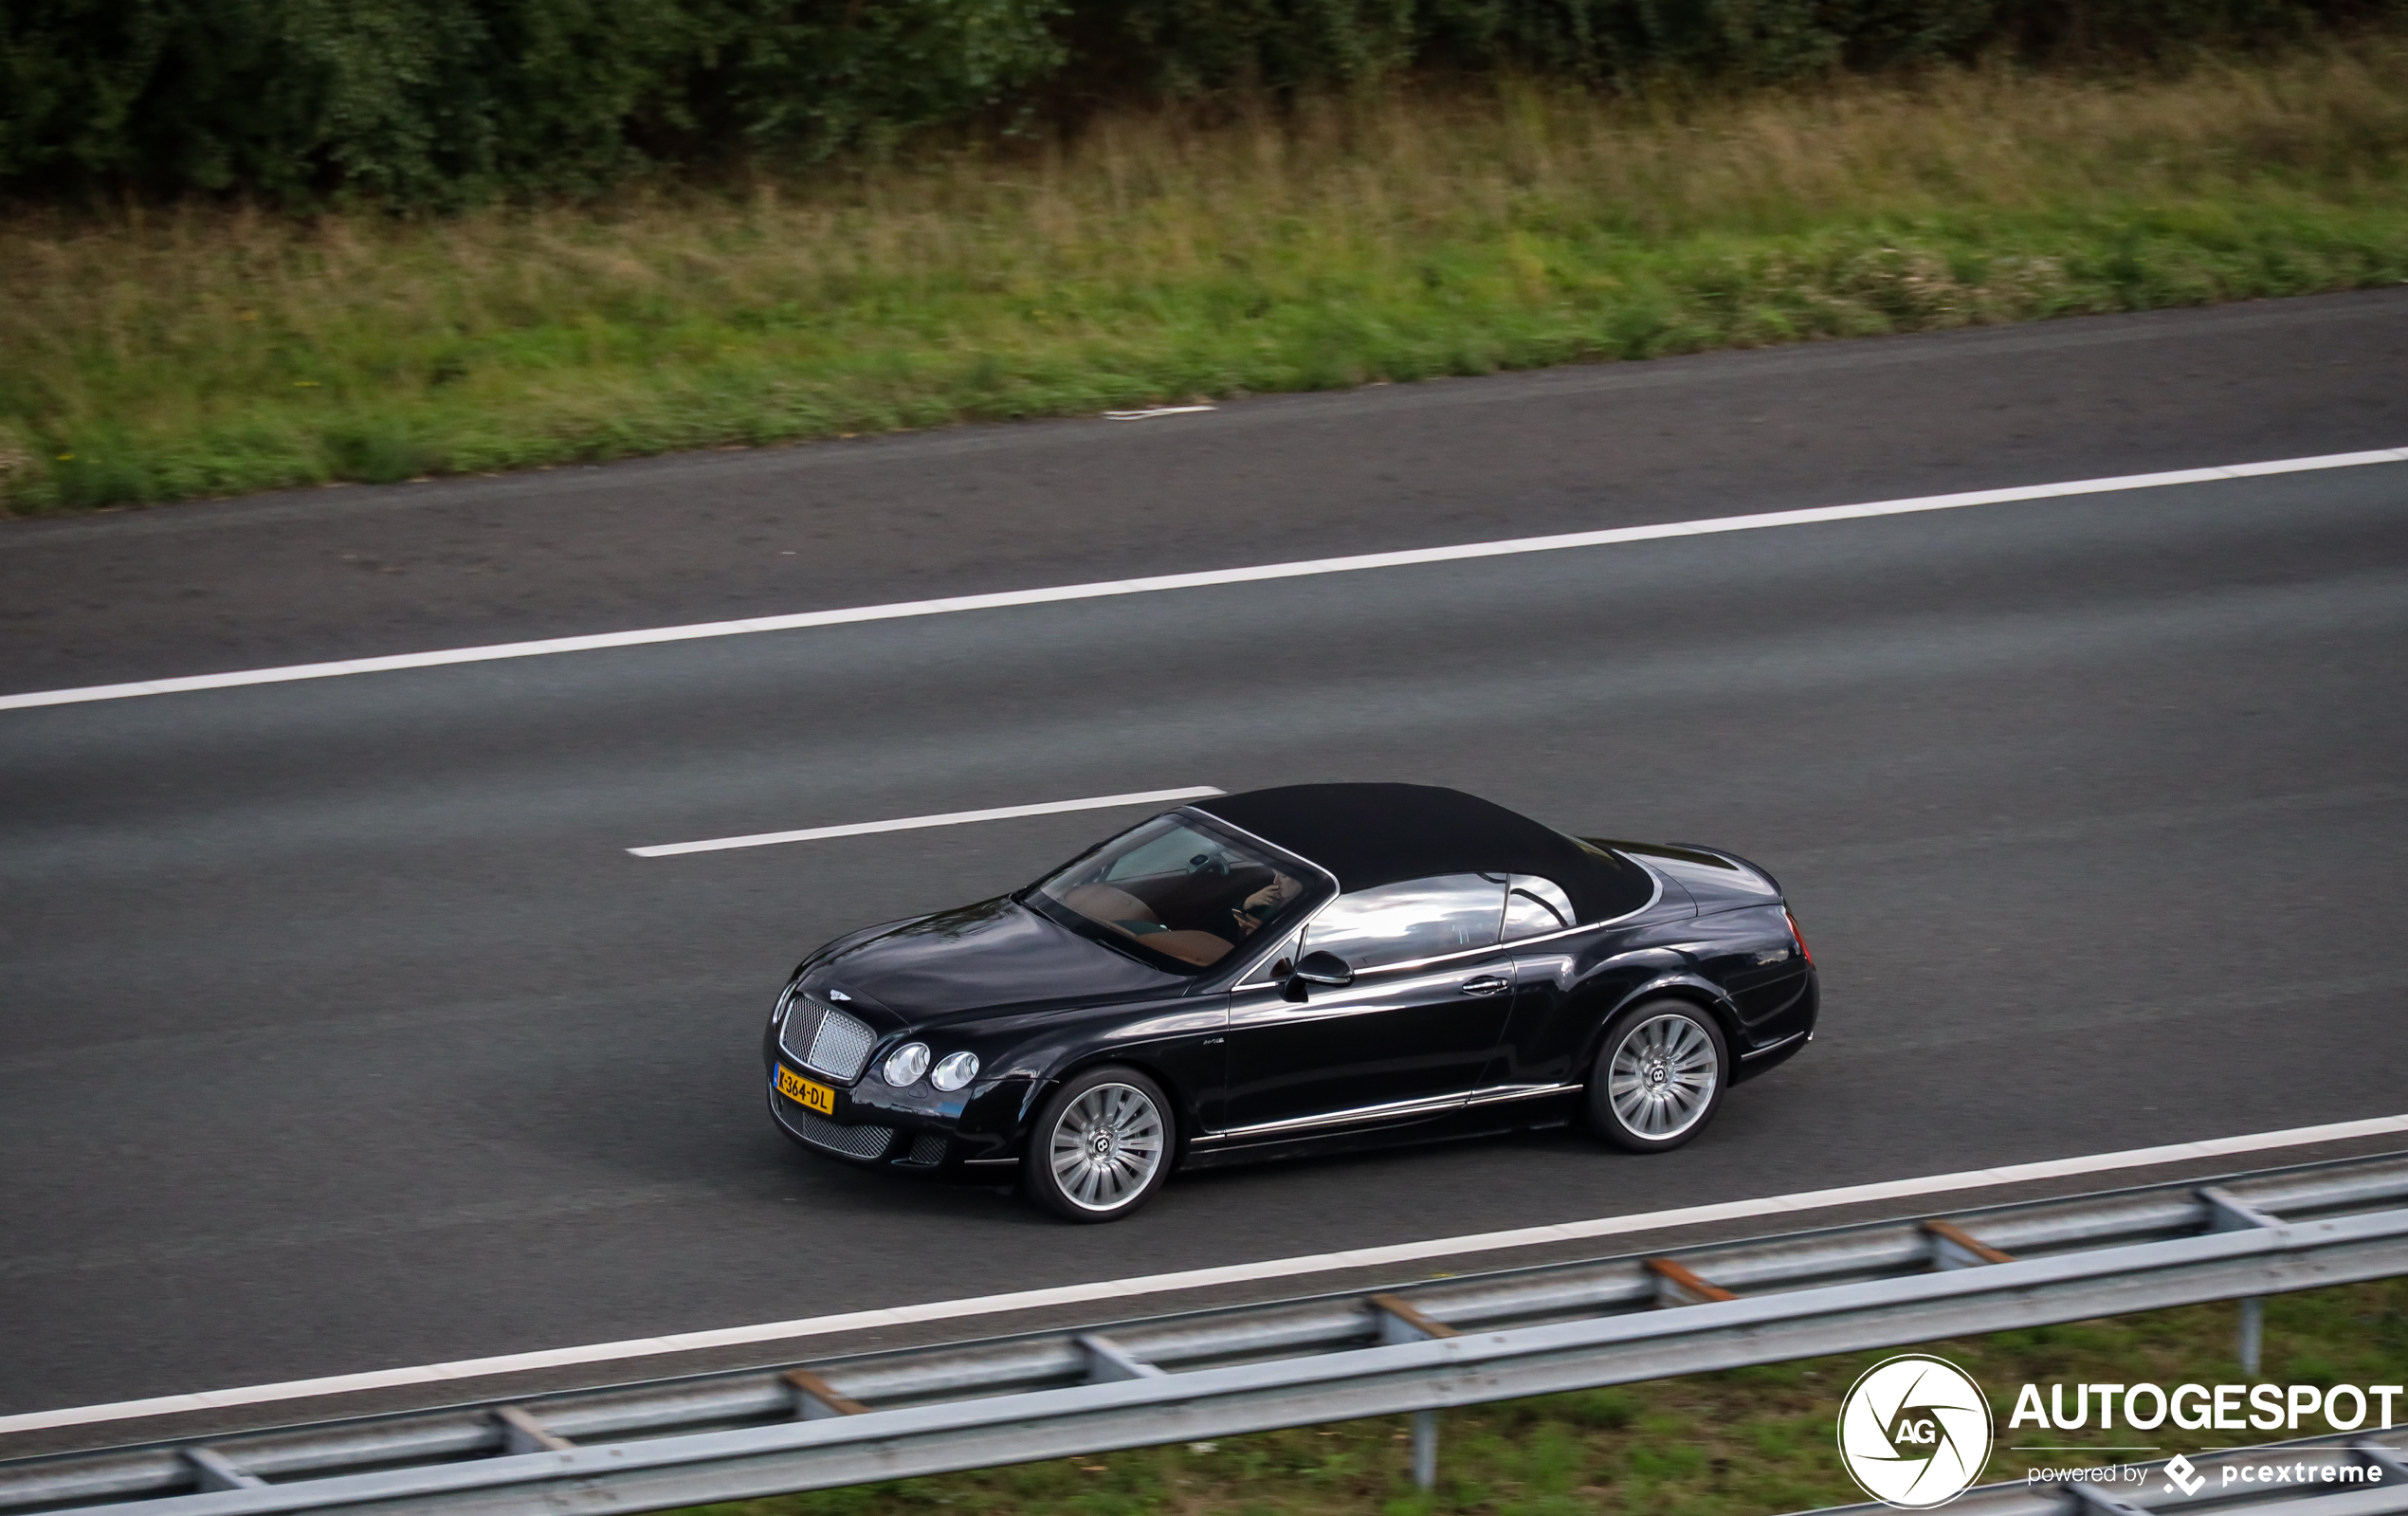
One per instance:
(1120,1290)
(949,818)
(1198,580)
(1152,411)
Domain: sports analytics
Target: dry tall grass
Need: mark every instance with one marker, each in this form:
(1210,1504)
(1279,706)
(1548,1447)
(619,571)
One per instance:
(205,350)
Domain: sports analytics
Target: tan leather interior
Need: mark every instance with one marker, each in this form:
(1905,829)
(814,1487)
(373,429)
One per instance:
(1199,948)
(1102,903)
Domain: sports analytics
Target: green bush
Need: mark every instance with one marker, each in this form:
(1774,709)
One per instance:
(434,102)
(429,102)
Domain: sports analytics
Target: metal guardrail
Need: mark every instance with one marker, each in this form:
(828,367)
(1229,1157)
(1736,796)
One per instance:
(2303,1490)
(1219,1373)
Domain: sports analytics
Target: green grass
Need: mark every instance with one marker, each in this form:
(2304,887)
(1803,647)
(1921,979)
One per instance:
(1740,1443)
(158,354)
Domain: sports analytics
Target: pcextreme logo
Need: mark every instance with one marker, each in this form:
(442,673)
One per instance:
(1914,1432)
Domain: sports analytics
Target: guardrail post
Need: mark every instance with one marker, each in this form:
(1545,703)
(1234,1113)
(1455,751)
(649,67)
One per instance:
(815,1400)
(211,1472)
(1953,1247)
(2227,1212)
(1109,1360)
(1401,1320)
(521,1433)
(1676,1285)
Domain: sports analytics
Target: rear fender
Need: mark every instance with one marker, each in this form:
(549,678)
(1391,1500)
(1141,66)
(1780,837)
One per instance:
(1674,986)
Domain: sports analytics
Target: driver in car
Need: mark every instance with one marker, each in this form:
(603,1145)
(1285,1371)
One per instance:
(1264,904)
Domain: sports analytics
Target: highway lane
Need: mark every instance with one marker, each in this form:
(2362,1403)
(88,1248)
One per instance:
(341,1030)
(316,573)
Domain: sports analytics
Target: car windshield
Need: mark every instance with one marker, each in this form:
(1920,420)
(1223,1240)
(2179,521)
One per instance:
(1173,889)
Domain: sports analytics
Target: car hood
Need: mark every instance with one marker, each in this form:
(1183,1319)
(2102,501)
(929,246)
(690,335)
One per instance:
(986,957)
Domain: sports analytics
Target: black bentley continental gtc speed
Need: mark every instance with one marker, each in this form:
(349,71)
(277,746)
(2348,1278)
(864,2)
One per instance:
(1306,969)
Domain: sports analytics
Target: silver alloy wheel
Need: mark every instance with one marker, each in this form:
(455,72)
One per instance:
(1106,1147)
(1662,1078)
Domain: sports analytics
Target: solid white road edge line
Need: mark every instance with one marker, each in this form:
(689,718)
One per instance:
(1113,1289)
(1189,581)
(950,818)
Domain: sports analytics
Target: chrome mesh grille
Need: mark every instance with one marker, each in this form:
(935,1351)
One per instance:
(802,1022)
(853,1141)
(825,1040)
(841,1046)
(928,1149)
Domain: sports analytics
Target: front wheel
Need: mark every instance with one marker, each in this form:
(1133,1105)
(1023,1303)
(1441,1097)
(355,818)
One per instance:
(1659,1076)
(1101,1146)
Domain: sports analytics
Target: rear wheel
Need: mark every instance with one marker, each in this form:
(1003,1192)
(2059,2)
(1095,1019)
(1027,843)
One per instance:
(1101,1146)
(1659,1077)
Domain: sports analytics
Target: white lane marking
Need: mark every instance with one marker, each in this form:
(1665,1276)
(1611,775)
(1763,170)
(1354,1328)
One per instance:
(1151,412)
(1189,581)
(1118,1289)
(950,818)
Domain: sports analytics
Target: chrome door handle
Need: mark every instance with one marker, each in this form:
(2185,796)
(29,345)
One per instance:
(1486,984)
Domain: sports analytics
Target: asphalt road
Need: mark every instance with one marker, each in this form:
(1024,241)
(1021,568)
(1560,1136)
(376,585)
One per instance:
(340,1031)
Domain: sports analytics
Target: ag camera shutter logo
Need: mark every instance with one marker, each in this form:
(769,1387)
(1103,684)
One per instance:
(1914,1432)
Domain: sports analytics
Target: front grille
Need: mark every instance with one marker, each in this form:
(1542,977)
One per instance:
(825,1040)
(842,1046)
(853,1141)
(927,1150)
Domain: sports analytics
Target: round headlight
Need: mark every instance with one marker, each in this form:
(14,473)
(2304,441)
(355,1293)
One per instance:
(955,1070)
(905,1064)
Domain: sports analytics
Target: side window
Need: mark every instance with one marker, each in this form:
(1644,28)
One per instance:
(1535,907)
(1397,924)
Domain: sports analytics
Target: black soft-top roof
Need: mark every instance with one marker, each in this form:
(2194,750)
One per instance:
(1373,834)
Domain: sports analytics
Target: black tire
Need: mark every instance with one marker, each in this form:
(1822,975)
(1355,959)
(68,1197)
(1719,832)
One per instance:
(1655,1102)
(1101,1146)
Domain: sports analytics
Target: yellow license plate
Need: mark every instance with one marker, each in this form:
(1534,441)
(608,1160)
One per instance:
(794,1087)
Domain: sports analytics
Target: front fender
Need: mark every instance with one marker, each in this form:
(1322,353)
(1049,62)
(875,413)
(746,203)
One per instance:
(1011,1109)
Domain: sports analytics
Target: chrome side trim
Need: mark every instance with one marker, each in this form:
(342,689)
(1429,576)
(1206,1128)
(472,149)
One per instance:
(1775,1047)
(1498,1094)
(1396,1109)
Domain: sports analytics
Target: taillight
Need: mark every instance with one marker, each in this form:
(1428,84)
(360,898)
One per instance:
(1798,936)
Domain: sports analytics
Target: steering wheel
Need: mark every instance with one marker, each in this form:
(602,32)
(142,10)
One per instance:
(1208,865)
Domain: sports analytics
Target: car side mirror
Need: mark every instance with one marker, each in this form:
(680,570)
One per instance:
(1325,969)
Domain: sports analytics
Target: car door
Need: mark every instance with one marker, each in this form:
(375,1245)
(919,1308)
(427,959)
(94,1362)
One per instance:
(1538,922)
(1421,1022)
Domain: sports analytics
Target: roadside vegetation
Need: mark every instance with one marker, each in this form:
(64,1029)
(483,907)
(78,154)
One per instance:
(1387,233)
(1748,1442)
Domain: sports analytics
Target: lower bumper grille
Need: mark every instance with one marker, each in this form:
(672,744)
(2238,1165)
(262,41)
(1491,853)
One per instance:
(928,1149)
(853,1141)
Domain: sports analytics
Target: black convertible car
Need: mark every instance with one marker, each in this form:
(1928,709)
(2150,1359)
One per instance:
(1296,970)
